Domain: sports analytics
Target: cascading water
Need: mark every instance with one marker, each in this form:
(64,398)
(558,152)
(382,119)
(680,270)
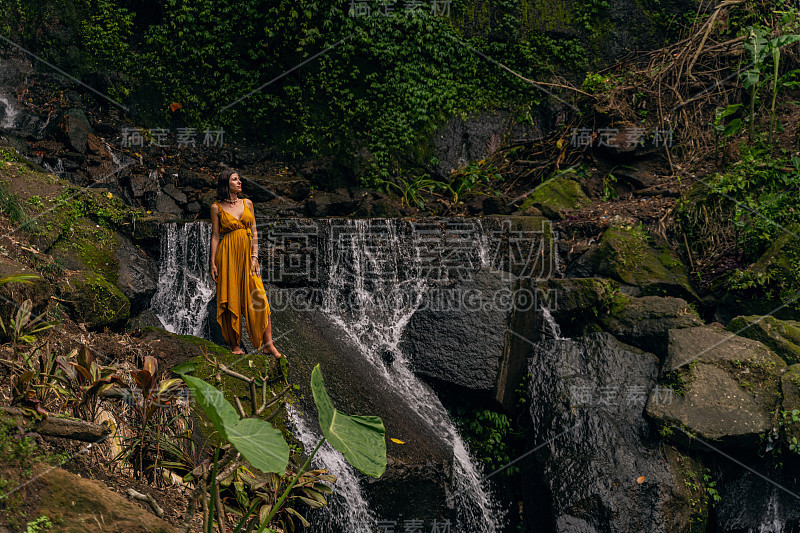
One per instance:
(772,522)
(347,508)
(11,112)
(551,328)
(376,280)
(58,169)
(184,282)
(378,271)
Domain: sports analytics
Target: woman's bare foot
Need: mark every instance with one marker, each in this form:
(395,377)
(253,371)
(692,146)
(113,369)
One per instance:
(236,350)
(271,349)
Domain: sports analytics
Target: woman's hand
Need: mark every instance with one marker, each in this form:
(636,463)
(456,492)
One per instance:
(255,268)
(214,273)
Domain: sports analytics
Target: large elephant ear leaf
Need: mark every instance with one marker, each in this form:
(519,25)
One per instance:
(361,439)
(217,408)
(261,444)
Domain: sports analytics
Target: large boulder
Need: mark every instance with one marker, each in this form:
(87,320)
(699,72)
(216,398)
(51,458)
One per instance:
(440,336)
(790,387)
(782,336)
(626,255)
(646,321)
(95,301)
(74,128)
(137,275)
(556,195)
(587,398)
(727,388)
(750,502)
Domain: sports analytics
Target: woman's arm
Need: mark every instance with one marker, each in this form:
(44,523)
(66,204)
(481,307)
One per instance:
(255,266)
(212,266)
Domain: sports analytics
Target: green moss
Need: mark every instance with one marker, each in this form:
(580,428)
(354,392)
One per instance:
(95,301)
(247,365)
(781,336)
(558,193)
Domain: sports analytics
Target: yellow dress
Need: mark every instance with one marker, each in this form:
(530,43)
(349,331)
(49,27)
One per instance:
(237,290)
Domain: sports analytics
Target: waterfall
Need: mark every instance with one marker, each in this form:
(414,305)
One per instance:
(184,283)
(347,508)
(377,273)
(58,170)
(772,523)
(376,279)
(10,113)
(551,328)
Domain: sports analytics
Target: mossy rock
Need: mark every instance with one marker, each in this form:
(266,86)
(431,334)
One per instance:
(726,387)
(175,349)
(625,254)
(782,336)
(95,301)
(573,300)
(790,387)
(555,195)
(779,262)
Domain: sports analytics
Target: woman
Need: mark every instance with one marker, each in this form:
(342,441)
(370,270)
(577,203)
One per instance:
(235,269)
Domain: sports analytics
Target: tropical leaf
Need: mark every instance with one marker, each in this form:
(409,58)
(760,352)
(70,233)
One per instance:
(260,443)
(359,438)
(213,402)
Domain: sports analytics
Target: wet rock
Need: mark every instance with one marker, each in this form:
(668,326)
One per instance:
(728,387)
(645,322)
(493,205)
(781,336)
(141,184)
(175,193)
(440,336)
(145,319)
(138,274)
(74,128)
(750,503)
(587,396)
(166,205)
(331,204)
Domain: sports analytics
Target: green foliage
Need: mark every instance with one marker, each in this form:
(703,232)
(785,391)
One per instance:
(42,523)
(105,35)
(489,435)
(359,438)
(258,442)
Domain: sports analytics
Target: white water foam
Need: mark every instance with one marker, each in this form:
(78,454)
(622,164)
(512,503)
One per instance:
(184,282)
(347,509)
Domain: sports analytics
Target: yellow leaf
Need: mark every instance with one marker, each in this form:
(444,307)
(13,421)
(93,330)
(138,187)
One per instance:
(149,212)
(109,194)
(560,143)
(397,441)
(640,480)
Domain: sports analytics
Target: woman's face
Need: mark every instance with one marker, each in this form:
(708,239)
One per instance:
(234,183)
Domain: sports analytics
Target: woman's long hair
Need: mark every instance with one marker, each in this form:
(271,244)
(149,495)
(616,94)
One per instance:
(223,184)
